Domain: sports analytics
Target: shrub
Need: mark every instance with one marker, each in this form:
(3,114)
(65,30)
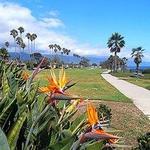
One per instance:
(104,113)
(144,142)
(146,71)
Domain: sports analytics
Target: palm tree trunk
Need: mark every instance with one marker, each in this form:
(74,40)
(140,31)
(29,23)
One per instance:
(28,46)
(34,46)
(31,51)
(31,48)
(19,52)
(115,62)
(15,48)
(68,59)
(137,68)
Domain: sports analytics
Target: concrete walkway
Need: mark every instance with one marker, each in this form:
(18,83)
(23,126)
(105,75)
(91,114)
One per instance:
(139,95)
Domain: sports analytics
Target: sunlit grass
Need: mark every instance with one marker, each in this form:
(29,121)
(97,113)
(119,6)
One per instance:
(90,84)
(142,81)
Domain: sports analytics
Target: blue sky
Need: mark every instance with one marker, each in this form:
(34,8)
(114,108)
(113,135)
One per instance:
(89,23)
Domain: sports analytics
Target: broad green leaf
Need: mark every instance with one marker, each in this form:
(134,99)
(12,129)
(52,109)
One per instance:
(69,144)
(77,122)
(61,144)
(95,146)
(6,111)
(13,133)
(5,85)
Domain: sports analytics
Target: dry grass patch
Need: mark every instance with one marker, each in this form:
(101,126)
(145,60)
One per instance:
(128,118)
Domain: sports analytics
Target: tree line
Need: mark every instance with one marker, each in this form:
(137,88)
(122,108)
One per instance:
(57,52)
(115,43)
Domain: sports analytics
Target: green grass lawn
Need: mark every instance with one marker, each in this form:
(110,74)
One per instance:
(90,85)
(142,81)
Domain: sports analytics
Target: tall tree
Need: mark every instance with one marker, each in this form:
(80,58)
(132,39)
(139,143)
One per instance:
(115,43)
(124,63)
(19,41)
(33,38)
(21,30)
(23,45)
(137,54)
(28,35)
(51,46)
(14,33)
(55,47)
(62,53)
(7,44)
(67,53)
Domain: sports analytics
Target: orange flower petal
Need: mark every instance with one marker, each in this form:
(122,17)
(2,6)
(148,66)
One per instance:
(92,114)
(44,90)
(112,138)
(54,85)
(25,75)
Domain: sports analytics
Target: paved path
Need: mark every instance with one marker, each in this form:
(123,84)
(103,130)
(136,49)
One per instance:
(139,95)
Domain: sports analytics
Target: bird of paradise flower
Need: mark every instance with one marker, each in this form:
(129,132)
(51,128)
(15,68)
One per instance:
(94,130)
(56,86)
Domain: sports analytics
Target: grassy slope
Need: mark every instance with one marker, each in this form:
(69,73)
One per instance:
(126,117)
(143,81)
(90,85)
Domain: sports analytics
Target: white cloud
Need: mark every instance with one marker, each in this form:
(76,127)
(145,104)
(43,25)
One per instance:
(52,22)
(53,13)
(13,15)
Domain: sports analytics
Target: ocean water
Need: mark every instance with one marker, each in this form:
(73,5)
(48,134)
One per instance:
(141,67)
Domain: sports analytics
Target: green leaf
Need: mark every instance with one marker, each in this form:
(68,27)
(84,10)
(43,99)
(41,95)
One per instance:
(69,144)
(5,85)
(95,146)
(3,141)
(63,144)
(6,111)
(13,133)
(77,122)
(61,104)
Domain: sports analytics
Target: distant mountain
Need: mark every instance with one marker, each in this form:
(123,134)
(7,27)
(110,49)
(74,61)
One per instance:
(93,59)
(23,56)
(26,56)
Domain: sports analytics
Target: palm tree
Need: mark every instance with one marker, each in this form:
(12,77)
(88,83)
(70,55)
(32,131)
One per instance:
(33,38)
(4,53)
(124,62)
(137,53)
(67,53)
(51,46)
(59,48)
(14,33)
(19,41)
(55,47)
(115,43)
(28,35)
(21,30)
(23,45)
(7,44)
(63,52)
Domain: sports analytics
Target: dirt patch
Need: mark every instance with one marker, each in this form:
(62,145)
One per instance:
(128,118)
